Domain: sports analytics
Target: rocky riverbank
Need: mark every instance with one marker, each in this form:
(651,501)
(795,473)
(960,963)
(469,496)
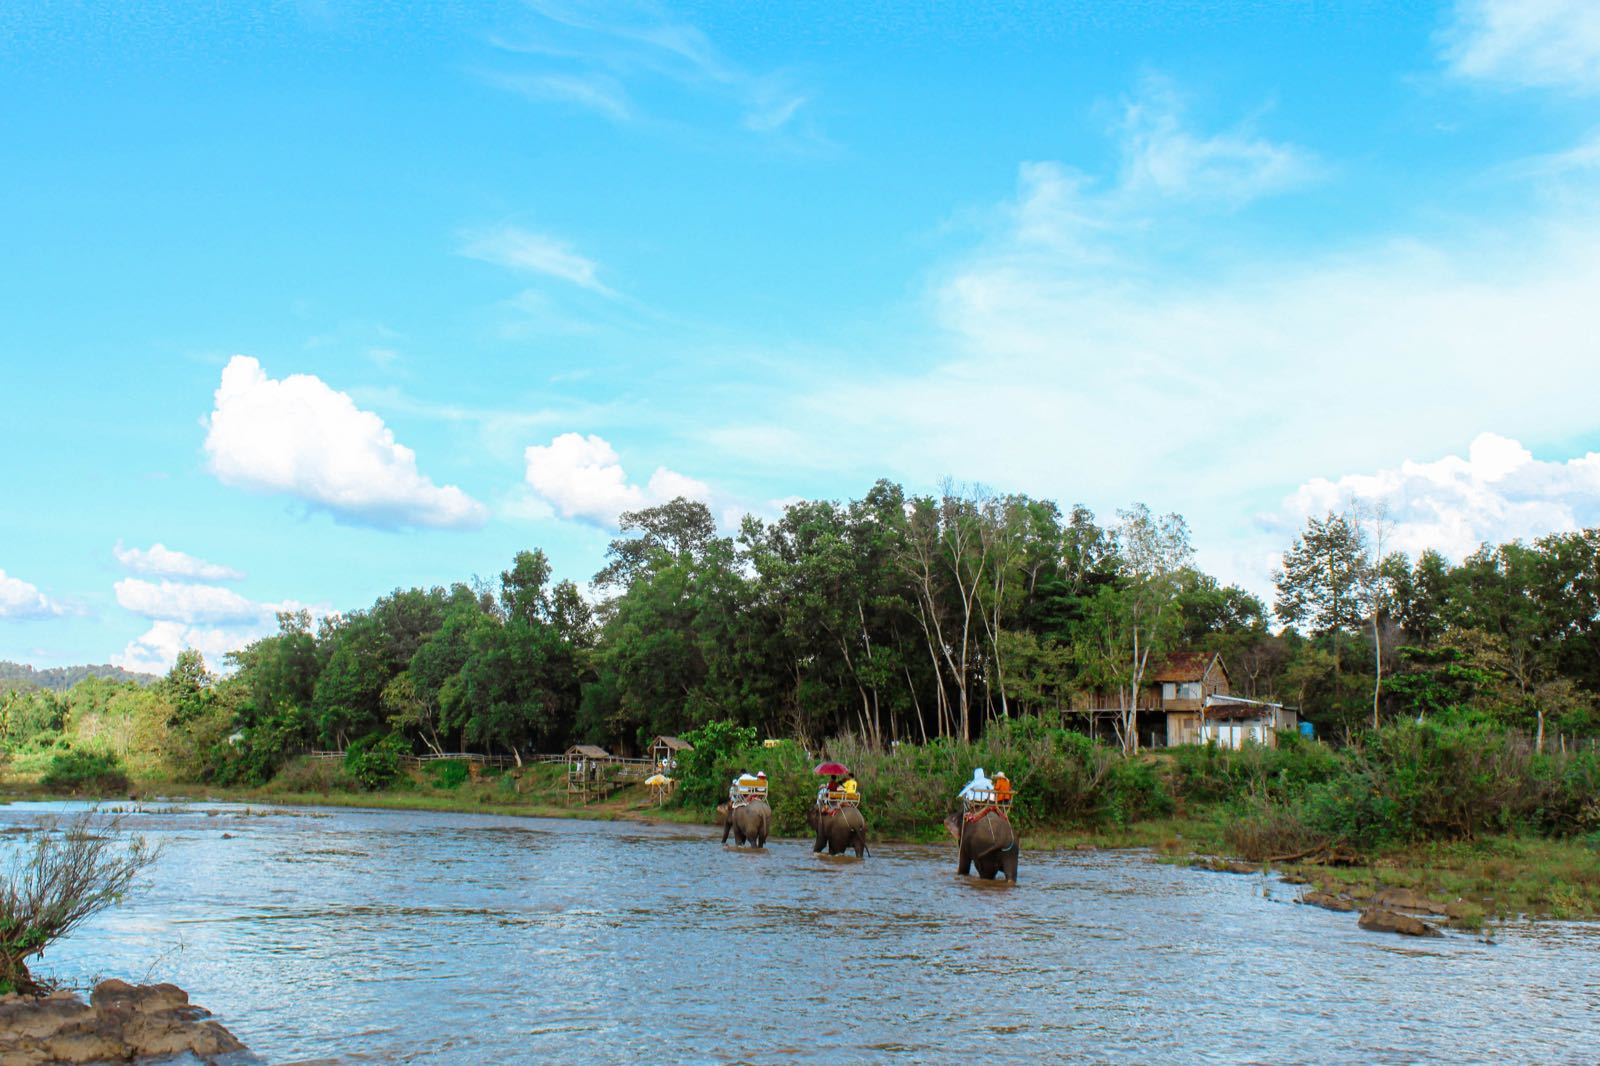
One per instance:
(121,1023)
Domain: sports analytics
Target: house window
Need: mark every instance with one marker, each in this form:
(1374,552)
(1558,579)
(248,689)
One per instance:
(1169,691)
(1189,690)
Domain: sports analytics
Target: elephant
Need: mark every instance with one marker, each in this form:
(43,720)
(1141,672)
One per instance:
(748,823)
(839,830)
(987,841)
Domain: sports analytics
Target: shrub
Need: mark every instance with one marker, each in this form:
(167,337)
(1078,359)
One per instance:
(703,773)
(373,762)
(85,771)
(446,773)
(1267,831)
(311,775)
(45,893)
(1133,792)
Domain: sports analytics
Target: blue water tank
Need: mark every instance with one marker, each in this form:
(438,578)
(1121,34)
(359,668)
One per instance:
(1308,730)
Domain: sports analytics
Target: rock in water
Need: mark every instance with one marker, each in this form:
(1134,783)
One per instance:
(1405,899)
(1328,901)
(1380,920)
(120,1023)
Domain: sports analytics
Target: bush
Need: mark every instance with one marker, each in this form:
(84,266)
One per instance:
(85,771)
(704,773)
(1266,831)
(47,892)
(311,775)
(374,762)
(446,773)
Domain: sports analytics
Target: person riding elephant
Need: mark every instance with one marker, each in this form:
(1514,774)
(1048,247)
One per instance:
(986,842)
(839,829)
(748,822)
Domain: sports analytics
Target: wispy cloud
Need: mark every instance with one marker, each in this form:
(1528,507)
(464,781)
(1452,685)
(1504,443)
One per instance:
(601,93)
(1527,43)
(1101,326)
(522,250)
(1163,157)
(594,56)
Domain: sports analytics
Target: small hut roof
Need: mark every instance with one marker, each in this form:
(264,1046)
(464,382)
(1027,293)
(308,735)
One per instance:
(671,744)
(1188,666)
(589,751)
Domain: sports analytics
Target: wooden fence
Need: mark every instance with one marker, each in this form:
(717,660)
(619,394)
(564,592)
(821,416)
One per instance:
(639,768)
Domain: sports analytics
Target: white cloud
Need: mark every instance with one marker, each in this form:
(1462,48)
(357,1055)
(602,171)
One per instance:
(519,249)
(1112,347)
(177,601)
(596,92)
(589,55)
(1497,492)
(154,651)
(1535,43)
(301,437)
(21,600)
(160,561)
(1162,157)
(582,477)
(208,618)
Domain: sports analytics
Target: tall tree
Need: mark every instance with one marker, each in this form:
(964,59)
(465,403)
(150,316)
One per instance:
(1323,581)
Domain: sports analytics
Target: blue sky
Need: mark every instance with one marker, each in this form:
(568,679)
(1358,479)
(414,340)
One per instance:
(304,302)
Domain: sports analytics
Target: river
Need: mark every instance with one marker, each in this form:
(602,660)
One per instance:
(343,936)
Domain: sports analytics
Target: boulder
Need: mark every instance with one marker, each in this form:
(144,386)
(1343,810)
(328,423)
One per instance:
(1379,920)
(1329,901)
(1405,899)
(121,1023)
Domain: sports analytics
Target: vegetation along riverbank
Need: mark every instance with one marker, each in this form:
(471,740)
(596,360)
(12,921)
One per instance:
(916,638)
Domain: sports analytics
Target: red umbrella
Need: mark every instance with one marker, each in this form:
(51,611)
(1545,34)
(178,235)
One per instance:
(832,769)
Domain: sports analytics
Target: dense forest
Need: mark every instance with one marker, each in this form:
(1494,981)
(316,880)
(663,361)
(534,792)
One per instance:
(891,617)
(60,678)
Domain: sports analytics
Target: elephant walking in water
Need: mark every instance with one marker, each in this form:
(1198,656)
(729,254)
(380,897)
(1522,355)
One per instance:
(748,822)
(839,830)
(986,842)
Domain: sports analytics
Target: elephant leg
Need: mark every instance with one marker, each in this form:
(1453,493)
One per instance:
(1008,862)
(861,845)
(726,829)
(963,860)
(820,842)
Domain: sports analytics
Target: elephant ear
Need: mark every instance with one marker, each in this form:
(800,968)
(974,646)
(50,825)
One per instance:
(953,825)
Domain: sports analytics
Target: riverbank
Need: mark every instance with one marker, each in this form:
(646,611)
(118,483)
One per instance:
(1489,879)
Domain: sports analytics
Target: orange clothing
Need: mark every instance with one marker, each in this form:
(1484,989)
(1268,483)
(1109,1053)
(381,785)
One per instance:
(1002,789)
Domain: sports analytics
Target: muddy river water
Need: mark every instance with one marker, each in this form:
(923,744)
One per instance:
(336,935)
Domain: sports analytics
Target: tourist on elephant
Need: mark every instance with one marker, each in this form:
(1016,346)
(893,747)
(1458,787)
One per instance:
(1002,787)
(980,789)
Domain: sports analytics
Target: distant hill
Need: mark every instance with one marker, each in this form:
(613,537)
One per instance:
(61,678)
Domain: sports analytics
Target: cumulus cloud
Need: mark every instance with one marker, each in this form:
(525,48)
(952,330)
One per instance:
(1538,43)
(160,561)
(154,651)
(1497,492)
(177,601)
(208,618)
(582,477)
(518,249)
(21,600)
(299,436)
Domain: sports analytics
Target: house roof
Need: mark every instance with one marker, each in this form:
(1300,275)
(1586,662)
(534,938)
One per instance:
(588,751)
(671,744)
(1188,666)
(1237,707)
